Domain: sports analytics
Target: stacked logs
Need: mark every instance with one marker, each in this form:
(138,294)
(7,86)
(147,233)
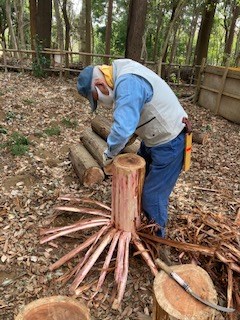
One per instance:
(86,156)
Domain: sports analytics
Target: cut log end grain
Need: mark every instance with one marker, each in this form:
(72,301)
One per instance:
(55,307)
(92,176)
(129,162)
(176,302)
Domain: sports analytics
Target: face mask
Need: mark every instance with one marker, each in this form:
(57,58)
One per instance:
(105,100)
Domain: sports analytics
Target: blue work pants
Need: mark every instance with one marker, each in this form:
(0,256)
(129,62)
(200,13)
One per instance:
(163,166)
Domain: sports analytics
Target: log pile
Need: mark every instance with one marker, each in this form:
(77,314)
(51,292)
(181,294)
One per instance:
(86,156)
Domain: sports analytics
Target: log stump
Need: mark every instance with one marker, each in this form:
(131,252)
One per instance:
(55,307)
(127,184)
(171,302)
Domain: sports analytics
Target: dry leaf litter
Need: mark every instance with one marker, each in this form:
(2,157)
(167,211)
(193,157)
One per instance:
(203,207)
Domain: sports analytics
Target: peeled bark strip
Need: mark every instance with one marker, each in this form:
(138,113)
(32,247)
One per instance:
(86,167)
(94,144)
(127,184)
(102,127)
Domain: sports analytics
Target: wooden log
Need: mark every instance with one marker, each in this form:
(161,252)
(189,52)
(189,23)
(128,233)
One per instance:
(173,302)
(200,137)
(102,127)
(94,144)
(86,167)
(127,184)
(55,307)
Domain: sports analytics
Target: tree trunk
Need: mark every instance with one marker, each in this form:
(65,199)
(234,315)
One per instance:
(33,24)
(60,40)
(82,31)
(176,15)
(229,40)
(67,31)
(135,31)
(193,28)
(88,31)
(87,169)
(127,184)
(19,10)
(201,50)
(159,24)
(108,31)
(102,127)
(14,44)
(44,22)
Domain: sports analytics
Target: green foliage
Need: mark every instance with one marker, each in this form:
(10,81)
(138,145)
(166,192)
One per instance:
(28,101)
(40,63)
(52,131)
(17,144)
(69,123)
(10,116)
(3,130)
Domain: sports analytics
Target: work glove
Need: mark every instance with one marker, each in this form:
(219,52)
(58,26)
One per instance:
(106,159)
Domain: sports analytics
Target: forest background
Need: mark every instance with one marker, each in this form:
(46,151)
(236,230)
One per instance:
(173,31)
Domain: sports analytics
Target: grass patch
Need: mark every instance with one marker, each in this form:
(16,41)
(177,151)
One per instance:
(10,116)
(3,130)
(52,131)
(28,101)
(67,122)
(17,144)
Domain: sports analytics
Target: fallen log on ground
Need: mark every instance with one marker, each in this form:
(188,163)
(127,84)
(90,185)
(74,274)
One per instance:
(86,167)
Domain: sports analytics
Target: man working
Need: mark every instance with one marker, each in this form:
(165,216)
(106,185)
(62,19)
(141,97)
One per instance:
(144,104)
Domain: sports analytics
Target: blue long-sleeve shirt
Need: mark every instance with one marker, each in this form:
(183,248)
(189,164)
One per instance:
(131,93)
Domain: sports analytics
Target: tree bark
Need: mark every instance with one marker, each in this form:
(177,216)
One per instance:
(94,144)
(19,10)
(88,31)
(230,34)
(67,31)
(44,22)
(135,30)
(201,49)
(13,38)
(87,169)
(127,184)
(108,31)
(33,24)
(102,127)
(60,40)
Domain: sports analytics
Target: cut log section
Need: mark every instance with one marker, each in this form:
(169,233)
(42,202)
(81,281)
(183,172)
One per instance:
(94,144)
(86,167)
(55,307)
(102,127)
(172,302)
(200,137)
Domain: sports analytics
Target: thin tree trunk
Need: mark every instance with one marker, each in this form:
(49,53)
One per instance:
(33,25)
(88,31)
(108,30)
(237,50)
(229,40)
(82,31)
(59,25)
(168,34)
(13,38)
(159,24)
(67,31)
(19,10)
(193,28)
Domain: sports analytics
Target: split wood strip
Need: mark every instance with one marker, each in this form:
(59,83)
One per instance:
(86,167)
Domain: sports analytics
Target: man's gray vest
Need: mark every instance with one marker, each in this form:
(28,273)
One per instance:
(161,118)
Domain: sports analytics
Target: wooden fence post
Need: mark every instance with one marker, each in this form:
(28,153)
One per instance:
(220,92)
(198,87)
